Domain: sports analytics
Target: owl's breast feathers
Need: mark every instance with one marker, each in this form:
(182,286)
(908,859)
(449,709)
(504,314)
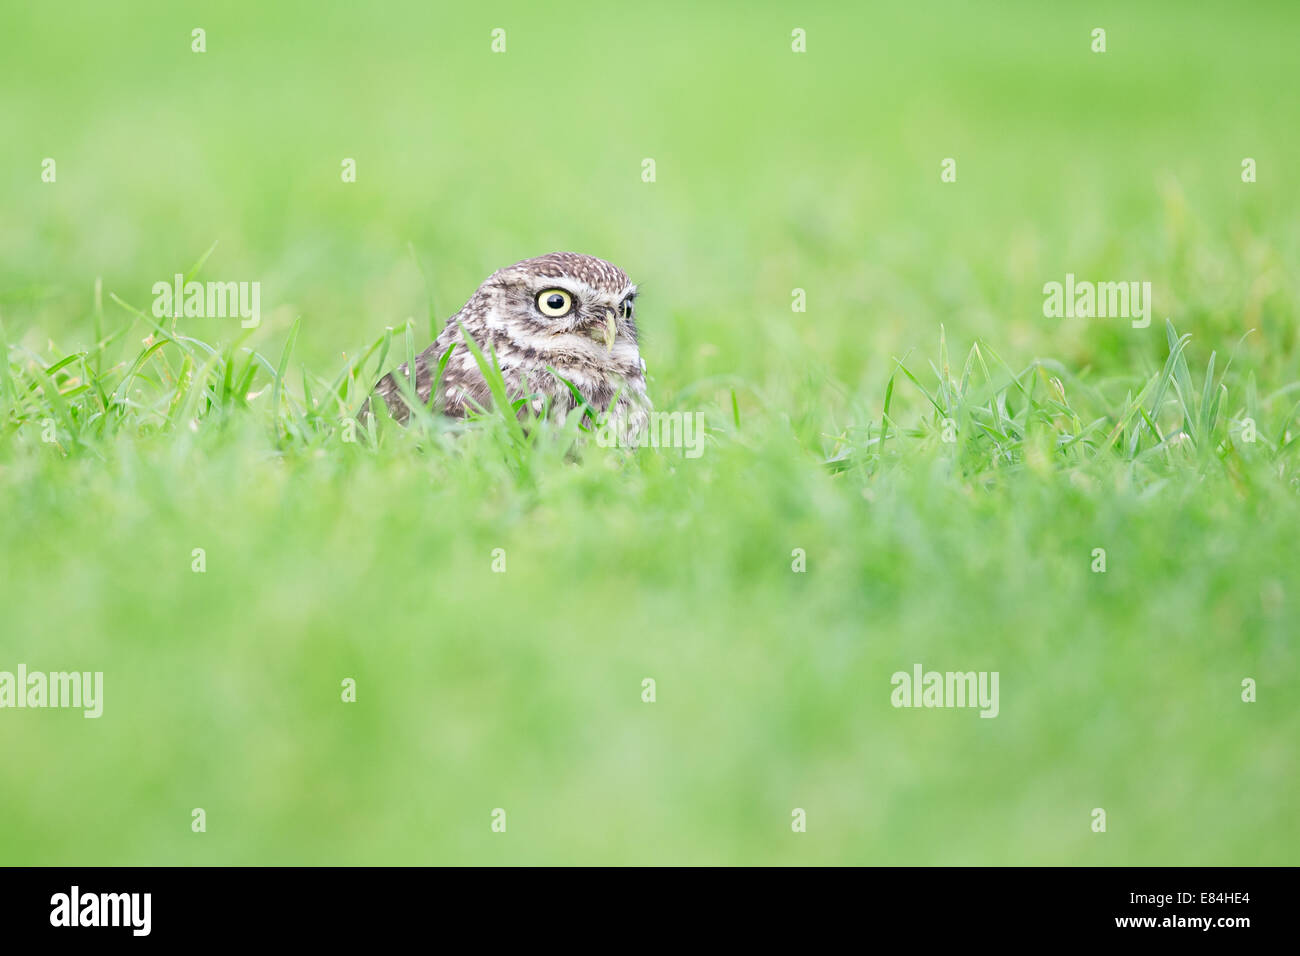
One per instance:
(542,378)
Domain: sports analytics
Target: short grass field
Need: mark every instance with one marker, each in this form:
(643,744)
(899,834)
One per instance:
(919,468)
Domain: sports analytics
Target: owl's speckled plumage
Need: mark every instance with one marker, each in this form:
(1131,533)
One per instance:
(594,345)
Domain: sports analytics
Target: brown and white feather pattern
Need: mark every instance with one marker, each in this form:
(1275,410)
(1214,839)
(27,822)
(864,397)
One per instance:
(594,345)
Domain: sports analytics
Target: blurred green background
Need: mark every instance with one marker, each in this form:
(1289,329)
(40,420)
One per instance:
(522,690)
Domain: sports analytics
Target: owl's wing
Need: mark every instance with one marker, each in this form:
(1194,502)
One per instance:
(461,389)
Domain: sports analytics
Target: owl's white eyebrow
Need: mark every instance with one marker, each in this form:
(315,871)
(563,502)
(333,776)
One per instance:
(575,286)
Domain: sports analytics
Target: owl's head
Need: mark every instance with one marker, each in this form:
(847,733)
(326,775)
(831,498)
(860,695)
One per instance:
(563,299)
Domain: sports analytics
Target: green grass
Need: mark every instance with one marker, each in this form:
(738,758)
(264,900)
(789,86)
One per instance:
(827,432)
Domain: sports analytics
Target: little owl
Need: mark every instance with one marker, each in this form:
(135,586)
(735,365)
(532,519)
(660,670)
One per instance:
(559,318)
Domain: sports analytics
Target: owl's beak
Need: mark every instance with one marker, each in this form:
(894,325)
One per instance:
(606,331)
(611,330)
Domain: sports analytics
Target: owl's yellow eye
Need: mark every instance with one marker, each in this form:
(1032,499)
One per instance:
(554,302)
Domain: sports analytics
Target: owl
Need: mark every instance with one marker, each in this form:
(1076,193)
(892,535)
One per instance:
(556,319)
